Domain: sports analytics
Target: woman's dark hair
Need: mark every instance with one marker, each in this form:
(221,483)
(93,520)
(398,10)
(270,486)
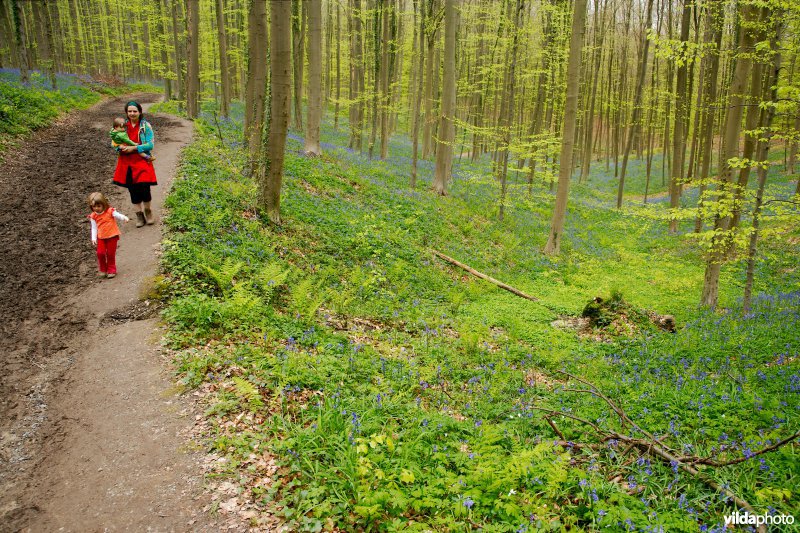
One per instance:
(136,105)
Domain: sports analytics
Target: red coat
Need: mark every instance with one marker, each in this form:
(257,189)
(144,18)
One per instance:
(142,170)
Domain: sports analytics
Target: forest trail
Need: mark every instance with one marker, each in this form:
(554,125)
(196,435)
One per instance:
(93,436)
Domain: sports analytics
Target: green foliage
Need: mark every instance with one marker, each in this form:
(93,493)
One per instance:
(398,393)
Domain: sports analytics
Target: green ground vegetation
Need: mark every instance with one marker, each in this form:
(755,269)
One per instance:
(397,392)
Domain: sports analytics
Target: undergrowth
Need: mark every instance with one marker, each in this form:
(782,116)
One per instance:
(398,393)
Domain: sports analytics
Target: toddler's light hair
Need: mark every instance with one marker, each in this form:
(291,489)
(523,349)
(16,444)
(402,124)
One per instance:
(98,198)
(119,122)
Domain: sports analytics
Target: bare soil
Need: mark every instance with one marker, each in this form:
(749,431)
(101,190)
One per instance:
(93,434)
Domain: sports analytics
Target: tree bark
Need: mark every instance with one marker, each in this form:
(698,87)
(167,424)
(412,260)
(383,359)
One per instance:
(637,102)
(224,67)
(721,241)
(256,90)
(356,79)
(553,245)
(311,145)
(679,135)
(713,41)
(298,47)
(444,152)
(193,63)
(418,100)
(280,95)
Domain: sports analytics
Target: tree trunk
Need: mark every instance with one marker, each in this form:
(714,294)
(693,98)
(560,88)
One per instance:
(553,245)
(385,71)
(506,121)
(21,41)
(713,41)
(338,69)
(637,102)
(418,100)
(444,152)
(720,243)
(679,134)
(176,43)
(279,101)
(193,64)
(762,153)
(298,40)
(256,90)
(224,68)
(46,47)
(311,146)
(356,79)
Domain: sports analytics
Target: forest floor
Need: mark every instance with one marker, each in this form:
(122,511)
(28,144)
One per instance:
(93,434)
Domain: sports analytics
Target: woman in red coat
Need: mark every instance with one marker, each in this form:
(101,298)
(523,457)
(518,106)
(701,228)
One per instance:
(134,172)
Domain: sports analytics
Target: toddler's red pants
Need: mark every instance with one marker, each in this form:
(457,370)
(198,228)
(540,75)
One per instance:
(107,255)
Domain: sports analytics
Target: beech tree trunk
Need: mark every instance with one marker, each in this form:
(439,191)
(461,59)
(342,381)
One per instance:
(679,133)
(553,245)
(356,79)
(713,41)
(637,102)
(270,175)
(444,152)
(311,145)
(418,100)
(721,241)
(193,64)
(224,68)
(256,89)
(298,40)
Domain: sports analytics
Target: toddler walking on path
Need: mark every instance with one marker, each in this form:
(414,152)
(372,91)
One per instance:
(105,233)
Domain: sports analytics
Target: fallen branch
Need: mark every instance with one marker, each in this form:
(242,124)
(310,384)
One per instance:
(654,446)
(483,276)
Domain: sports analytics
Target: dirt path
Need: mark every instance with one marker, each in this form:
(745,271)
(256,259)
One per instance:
(92,434)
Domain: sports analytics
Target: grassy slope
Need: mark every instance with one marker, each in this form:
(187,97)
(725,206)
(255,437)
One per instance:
(26,108)
(399,393)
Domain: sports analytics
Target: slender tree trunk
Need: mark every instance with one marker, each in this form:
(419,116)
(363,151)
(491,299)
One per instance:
(637,101)
(193,64)
(298,39)
(311,145)
(376,76)
(21,40)
(720,243)
(765,122)
(338,69)
(356,79)
(553,245)
(418,99)
(507,120)
(256,90)
(46,46)
(280,95)
(713,41)
(385,72)
(224,68)
(162,41)
(177,51)
(679,135)
(589,130)
(444,152)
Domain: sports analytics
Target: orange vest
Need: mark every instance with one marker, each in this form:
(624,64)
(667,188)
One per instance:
(106,225)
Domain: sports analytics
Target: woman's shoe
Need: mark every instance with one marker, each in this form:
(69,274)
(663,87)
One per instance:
(148,216)
(140,220)
(112,276)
